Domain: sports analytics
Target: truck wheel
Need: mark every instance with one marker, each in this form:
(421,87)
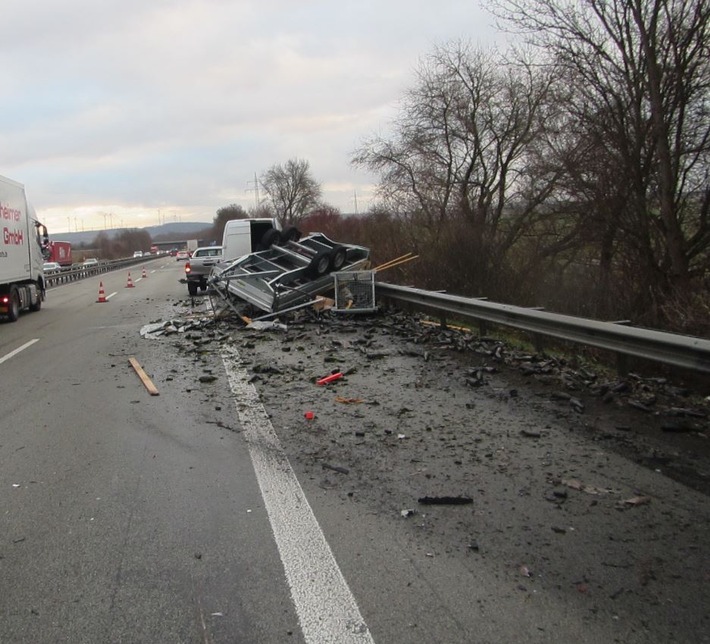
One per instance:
(192,288)
(13,311)
(337,258)
(269,238)
(38,304)
(319,264)
(290,234)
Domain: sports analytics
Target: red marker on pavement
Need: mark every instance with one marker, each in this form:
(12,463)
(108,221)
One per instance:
(332,377)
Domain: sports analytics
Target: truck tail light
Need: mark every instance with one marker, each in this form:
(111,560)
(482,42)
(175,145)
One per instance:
(187,267)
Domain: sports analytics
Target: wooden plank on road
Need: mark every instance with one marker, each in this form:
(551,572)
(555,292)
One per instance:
(152,390)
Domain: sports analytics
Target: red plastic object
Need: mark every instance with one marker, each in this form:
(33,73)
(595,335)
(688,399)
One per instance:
(331,378)
(309,415)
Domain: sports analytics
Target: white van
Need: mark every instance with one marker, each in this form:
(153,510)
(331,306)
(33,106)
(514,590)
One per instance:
(244,236)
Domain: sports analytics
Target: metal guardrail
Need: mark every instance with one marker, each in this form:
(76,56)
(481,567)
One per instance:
(75,273)
(683,351)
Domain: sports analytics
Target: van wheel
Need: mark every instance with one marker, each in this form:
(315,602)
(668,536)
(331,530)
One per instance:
(337,258)
(269,238)
(13,311)
(319,264)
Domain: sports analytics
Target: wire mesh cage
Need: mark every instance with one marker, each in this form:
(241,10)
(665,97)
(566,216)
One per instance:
(355,291)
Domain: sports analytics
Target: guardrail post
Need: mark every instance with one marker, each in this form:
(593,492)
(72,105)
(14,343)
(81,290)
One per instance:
(622,364)
(538,343)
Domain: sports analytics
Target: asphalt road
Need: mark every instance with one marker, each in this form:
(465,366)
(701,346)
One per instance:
(126,517)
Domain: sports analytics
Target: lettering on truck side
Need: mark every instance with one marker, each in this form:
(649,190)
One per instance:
(13,214)
(13,237)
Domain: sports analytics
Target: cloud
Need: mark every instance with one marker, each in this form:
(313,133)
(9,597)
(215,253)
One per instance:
(133,106)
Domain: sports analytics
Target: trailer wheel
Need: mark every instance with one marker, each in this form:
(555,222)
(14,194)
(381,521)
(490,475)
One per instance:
(337,258)
(319,264)
(290,234)
(13,311)
(192,288)
(269,238)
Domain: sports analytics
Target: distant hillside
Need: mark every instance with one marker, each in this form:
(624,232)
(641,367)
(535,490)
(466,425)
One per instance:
(179,230)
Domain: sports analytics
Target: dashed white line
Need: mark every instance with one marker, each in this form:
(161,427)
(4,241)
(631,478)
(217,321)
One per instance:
(326,608)
(108,297)
(16,351)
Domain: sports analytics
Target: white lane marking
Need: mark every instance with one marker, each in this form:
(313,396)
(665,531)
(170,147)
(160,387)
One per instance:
(16,351)
(326,608)
(108,297)
(138,279)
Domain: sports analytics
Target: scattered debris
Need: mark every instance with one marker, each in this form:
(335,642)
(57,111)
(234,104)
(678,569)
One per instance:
(147,382)
(348,401)
(635,501)
(336,375)
(558,529)
(445,500)
(335,468)
(529,433)
(177,325)
(588,489)
(265,325)
(679,426)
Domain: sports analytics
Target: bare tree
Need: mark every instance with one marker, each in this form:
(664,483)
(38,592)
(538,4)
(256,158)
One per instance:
(291,189)
(465,163)
(225,214)
(638,72)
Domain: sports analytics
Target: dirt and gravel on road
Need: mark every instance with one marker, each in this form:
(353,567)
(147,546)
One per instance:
(590,489)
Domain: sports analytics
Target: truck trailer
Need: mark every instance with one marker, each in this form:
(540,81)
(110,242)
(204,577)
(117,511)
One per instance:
(60,252)
(24,247)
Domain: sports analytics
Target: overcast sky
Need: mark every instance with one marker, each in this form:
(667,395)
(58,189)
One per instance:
(131,112)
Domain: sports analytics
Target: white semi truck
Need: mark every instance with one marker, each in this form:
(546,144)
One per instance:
(23,247)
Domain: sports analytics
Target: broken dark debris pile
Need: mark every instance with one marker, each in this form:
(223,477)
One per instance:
(680,410)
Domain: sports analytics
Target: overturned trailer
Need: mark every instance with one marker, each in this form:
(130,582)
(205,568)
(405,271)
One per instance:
(289,274)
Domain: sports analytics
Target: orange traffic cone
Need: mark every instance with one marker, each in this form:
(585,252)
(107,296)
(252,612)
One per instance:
(129,284)
(144,275)
(102,293)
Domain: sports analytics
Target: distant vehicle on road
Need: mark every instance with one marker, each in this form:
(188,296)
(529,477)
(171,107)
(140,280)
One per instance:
(60,252)
(92,261)
(182,255)
(138,253)
(51,267)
